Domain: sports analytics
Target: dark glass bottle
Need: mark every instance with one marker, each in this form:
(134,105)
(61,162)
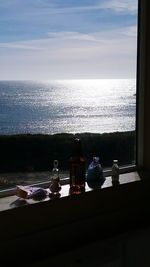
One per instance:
(55,186)
(115,172)
(77,168)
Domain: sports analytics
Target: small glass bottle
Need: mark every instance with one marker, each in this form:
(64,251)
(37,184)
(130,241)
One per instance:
(55,186)
(77,168)
(115,172)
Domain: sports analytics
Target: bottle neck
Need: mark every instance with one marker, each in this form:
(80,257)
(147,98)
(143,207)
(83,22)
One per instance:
(77,148)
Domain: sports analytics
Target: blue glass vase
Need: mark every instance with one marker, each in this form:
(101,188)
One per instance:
(95,176)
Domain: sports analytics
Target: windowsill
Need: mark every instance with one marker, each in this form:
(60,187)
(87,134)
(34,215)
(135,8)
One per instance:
(13,201)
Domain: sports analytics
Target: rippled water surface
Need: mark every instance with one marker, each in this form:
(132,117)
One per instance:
(71,106)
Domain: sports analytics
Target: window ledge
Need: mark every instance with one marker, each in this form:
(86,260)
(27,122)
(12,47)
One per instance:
(12,201)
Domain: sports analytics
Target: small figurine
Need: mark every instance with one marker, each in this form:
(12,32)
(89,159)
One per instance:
(55,186)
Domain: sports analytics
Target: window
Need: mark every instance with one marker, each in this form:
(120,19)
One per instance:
(21,229)
(66,67)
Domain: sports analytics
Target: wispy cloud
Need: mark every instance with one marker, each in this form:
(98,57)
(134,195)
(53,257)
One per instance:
(123,6)
(72,55)
(72,35)
(67,38)
(40,8)
(58,39)
(19,45)
(118,6)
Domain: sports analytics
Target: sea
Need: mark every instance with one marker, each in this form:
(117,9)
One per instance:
(67,106)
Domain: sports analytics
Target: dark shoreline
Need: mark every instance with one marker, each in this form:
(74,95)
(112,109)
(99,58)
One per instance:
(36,152)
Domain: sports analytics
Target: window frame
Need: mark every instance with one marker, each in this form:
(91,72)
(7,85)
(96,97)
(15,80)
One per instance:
(143,84)
(139,110)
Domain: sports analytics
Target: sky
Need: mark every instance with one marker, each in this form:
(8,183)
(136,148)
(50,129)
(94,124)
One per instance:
(67,39)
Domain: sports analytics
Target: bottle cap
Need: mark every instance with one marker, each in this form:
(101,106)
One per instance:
(55,163)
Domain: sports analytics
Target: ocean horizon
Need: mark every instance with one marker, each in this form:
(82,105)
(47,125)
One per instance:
(67,106)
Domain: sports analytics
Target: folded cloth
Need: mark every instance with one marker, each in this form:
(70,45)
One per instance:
(28,192)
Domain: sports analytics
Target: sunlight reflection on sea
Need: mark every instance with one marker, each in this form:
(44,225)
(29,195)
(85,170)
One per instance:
(71,106)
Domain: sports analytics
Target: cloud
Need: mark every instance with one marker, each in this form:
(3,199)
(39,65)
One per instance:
(123,6)
(19,45)
(71,35)
(67,38)
(118,6)
(118,34)
(71,55)
(44,8)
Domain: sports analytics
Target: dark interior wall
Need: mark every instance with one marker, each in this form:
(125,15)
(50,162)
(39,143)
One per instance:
(51,228)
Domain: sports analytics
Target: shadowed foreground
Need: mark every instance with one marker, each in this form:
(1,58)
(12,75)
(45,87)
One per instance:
(37,152)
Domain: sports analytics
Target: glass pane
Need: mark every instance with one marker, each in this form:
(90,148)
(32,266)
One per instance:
(66,68)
